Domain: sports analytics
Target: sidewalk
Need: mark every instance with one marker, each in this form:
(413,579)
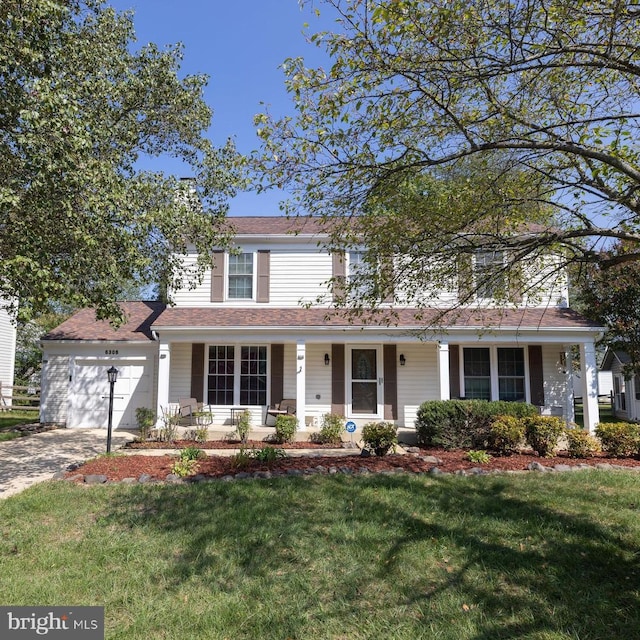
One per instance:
(26,461)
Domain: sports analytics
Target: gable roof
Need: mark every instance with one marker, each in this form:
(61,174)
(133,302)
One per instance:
(82,325)
(614,354)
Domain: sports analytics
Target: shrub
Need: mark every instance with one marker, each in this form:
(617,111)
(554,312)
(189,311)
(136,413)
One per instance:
(268,455)
(191,453)
(380,437)
(286,426)
(331,430)
(542,434)
(242,459)
(145,418)
(170,419)
(463,424)
(184,467)
(580,444)
(244,425)
(619,439)
(506,434)
(479,457)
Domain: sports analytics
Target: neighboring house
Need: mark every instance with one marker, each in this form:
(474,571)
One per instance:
(253,333)
(7,355)
(626,390)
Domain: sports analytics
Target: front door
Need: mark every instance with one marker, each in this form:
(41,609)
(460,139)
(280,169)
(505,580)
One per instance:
(364,381)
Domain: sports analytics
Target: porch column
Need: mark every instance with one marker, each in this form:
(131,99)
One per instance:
(301,388)
(570,407)
(443,370)
(589,375)
(164,366)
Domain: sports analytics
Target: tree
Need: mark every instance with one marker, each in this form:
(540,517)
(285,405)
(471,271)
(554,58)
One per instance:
(78,108)
(511,113)
(611,296)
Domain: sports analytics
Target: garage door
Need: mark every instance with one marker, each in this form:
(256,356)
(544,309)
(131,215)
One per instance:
(89,392)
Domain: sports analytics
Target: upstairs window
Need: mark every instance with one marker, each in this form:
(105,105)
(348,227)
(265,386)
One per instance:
(489,277)
(241,276)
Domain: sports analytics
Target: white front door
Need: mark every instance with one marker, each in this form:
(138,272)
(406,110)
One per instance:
(365,390)
(89,392)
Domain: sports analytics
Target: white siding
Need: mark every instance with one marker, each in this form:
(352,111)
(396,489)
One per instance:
(298,277)
(180,374)
(7,350)
(55,389)
(417,380)
(555,380)
(318,384)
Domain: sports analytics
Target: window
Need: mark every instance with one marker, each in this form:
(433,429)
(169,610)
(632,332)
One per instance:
(225,387)
(477,374)
(494,373)
(488,274)
(241,276)
(511,375)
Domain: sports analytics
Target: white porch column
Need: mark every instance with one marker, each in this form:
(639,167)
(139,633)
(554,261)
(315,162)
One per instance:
(301,387)
(164,366)
(443,370)
(589,375)
(570,407)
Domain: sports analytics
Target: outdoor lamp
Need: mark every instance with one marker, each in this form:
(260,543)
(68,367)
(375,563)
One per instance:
(403,360)
(112,376)
(327,360)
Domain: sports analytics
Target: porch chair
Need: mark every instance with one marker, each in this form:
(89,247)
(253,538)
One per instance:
(282,408)
(188,409)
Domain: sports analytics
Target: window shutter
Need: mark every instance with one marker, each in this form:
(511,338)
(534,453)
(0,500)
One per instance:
(337,379)
(390,368)
(197,371)
(264,265)
(339,272)
(454,371)
(516,282)
(536,379)
(277,373)
(217,276)
(387,273)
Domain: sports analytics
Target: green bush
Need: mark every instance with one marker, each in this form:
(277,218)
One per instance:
(506,435)
(244,425)
(192,453)
(380,437)
(580,444)
(463,424)
(286,426)
(268,455)
(331,430)
(619,439)
(185,467)
(542,433)
(145,418)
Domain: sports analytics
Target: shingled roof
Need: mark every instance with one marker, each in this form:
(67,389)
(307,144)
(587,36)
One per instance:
(83,325)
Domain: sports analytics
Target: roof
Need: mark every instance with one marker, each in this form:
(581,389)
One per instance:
(277,225)
(264,317)
(622,356)
(82,325)
(142,317)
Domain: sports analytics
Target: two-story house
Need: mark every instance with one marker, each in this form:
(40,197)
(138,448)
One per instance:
(253,333)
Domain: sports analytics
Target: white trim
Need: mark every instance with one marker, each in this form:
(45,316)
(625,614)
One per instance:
(379,415)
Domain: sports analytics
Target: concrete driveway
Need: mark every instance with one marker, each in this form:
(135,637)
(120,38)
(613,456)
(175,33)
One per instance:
(35,458)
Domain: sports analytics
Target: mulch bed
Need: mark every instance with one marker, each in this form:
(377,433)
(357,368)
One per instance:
(116,468)
(225,444)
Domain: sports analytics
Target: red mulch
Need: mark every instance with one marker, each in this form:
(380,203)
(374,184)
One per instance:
(225,444)
(158,467)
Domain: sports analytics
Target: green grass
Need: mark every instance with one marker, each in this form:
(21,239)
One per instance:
(9,419)
(382,557)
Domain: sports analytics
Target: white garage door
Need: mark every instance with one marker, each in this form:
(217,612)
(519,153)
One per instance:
(89,392)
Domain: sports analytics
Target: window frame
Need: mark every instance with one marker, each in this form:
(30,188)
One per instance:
(230,275)
(494,376)
(237,372)
(493,270)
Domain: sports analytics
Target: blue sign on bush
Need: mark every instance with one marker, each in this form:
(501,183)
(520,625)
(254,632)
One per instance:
(350,426)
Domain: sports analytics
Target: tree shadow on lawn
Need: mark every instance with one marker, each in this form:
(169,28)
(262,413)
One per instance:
(424,549)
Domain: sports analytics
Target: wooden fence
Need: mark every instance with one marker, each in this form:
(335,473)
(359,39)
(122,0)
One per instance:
(19,398)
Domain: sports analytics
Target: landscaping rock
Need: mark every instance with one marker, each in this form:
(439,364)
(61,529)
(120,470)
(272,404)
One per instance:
(95,479)
(145,478)
(173,478)
(431,460)
(536,466)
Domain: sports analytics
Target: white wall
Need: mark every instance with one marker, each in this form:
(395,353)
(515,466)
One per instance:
(7,350)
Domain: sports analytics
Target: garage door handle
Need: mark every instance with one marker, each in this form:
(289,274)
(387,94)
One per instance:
(114,397)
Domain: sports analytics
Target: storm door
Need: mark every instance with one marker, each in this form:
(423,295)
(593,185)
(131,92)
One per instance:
(364,381)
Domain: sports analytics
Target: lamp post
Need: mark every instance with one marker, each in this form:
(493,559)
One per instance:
(112,375)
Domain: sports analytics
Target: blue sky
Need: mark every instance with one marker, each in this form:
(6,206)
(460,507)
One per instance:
(240,45)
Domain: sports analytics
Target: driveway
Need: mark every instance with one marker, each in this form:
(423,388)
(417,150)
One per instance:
(35,458)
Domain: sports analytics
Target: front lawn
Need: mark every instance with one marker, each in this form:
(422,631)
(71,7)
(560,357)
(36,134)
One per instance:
(544,556)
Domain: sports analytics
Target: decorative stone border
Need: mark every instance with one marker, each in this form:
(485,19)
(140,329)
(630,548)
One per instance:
(333,470)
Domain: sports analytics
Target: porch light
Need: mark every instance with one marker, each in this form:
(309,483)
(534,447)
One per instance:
(112,376)
(327,359)
(403,360)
